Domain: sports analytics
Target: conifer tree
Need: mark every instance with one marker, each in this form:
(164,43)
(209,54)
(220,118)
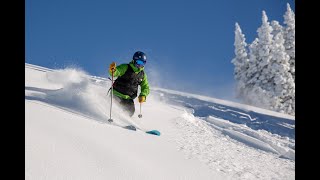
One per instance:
(260,56)
(265,75)
(289,36)
(281,79)
(240,61)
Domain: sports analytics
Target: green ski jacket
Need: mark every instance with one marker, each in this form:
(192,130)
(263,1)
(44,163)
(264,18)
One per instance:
(121,69)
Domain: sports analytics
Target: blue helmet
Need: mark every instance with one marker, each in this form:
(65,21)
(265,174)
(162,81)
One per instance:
(139,59)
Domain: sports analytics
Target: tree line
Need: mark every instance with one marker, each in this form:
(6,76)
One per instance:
(265,69)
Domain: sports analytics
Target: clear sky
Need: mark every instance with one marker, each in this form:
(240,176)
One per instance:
(189,43)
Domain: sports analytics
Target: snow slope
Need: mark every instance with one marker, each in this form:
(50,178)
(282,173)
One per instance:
(67,136)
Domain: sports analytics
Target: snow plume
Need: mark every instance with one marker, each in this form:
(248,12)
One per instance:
(77,93)
(69,78)
(74,90)
(155,76)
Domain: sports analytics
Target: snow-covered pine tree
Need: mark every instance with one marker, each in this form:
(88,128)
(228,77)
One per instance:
(289,37)
(265,80)
(259,92)
(240,61)
(265,43)
(280,78)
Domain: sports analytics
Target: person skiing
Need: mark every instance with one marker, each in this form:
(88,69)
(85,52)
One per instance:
(130,76)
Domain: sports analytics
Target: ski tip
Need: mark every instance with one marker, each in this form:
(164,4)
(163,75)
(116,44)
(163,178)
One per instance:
(154,132)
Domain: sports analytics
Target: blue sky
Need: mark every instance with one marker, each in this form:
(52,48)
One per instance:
(189,44)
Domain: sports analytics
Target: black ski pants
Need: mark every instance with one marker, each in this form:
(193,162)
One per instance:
(127,105)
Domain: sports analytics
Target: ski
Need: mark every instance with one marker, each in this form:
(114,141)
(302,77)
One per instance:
(153,132)
(134,128)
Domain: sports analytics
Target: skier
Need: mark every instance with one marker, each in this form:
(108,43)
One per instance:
(130,76)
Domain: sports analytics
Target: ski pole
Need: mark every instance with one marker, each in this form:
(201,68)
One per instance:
(140,115)
(110,120)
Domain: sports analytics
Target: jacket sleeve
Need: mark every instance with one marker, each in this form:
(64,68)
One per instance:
(144,86)
(120,70)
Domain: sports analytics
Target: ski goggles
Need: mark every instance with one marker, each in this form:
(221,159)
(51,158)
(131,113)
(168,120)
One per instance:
(140,62)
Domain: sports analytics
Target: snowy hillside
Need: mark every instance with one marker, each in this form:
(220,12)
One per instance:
(68,137)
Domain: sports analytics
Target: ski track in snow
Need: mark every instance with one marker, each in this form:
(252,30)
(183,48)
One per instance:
(211,146)
(246,144)
(265,132)
(237,142)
